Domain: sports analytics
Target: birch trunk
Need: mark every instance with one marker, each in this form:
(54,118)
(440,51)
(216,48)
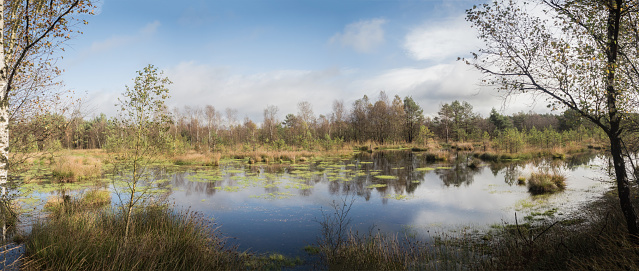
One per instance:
(4,106)
(4,118)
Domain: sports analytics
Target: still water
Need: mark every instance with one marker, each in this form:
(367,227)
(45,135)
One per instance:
(275,208)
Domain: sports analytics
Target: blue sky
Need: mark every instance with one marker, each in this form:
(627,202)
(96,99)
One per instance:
(248,54)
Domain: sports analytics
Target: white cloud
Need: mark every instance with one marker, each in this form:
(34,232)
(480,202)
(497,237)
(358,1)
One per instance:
(441,41)
(444,83)
(199,85)
(150,28)
(363,36)
(122,40)
(108,44)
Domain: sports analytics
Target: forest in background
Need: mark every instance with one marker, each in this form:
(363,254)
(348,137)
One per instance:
(370,122)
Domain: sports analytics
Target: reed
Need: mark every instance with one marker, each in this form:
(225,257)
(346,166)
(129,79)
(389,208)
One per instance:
(76,168)
(160,239)
(543,183)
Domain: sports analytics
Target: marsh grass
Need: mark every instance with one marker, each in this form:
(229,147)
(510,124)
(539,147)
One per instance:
(76,168)
(160,239)
(593,239)
(530,153)
(94,198)
(521,180)
(196,159)
(542,183)
(596,239)
(462,146)
(438,156)
(342,249)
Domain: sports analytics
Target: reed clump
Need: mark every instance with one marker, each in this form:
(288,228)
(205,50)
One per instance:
(160,239)
(76,168)
(543,183)
(94,198)
(439,156)
(521,180)
(463,146)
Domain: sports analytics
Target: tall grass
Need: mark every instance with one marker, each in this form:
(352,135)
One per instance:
(542,183)
(75,168)
(342,249)
(159,240)
(595,239)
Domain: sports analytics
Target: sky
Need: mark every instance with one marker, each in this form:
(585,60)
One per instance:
(250,54)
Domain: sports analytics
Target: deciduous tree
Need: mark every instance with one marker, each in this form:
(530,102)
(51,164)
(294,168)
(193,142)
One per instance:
(581,55)
(144,118)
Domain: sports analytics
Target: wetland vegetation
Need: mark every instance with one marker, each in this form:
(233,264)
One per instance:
(162,194)
(370,185)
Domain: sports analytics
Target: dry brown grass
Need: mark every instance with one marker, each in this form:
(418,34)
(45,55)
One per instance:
(272,156)
(196,158)
(463,146)
(74,168)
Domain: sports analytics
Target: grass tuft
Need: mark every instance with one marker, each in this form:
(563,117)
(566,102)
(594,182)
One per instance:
(543,183)
(159,240)
(75,168)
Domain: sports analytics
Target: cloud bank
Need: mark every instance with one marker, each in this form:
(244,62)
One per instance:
(441,41)
(363,36)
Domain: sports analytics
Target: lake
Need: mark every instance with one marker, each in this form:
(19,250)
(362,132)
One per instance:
(275,208)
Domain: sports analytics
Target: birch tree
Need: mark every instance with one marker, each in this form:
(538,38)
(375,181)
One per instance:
(144,118)
(31,33)
(581,55)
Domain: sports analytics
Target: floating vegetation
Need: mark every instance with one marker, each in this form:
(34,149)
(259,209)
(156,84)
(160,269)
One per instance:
(274,196)
(229,188)
(235,171)
(424,169)
(396,196)
(386,177)
(444,167)
(379,185)
(300,186)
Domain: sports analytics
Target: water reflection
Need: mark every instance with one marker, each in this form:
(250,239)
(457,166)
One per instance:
(272,207)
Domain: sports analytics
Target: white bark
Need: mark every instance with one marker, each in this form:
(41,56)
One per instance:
(4,106)
(4,118)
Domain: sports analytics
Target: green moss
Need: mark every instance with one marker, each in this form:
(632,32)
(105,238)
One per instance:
(386,177)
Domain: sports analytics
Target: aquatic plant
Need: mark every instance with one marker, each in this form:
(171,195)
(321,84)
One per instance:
(74,168)
(521,180)
(542,183)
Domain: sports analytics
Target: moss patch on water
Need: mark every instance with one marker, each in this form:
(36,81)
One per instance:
(380,185)
(273,196)
(386,177)
(396,197)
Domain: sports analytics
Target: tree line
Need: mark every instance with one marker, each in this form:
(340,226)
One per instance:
(380,121)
